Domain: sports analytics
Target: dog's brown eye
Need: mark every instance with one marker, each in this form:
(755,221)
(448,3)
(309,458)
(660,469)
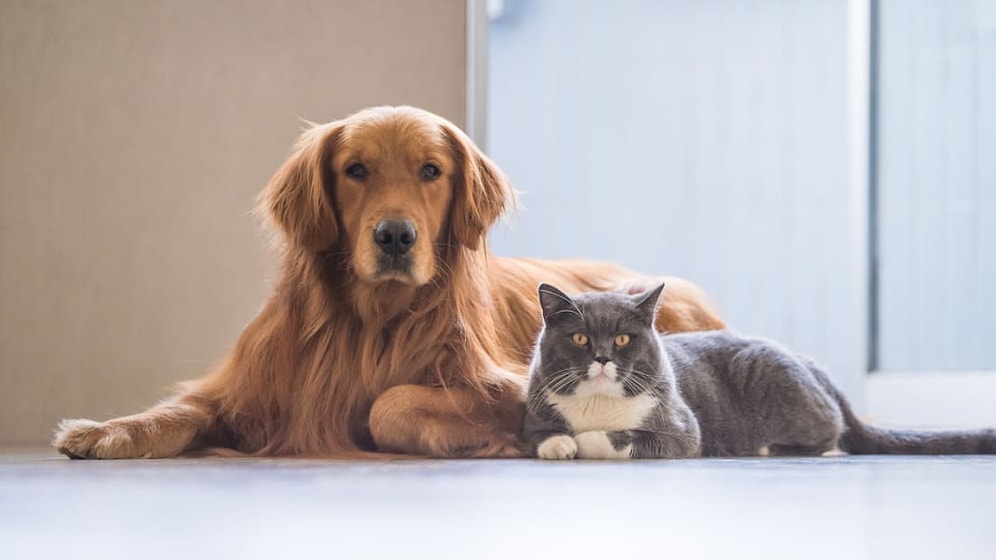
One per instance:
(430,172)
(356,171)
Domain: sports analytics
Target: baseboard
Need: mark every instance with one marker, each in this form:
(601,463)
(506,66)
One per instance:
(950,399)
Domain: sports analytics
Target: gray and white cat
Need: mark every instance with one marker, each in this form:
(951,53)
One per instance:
(604,384)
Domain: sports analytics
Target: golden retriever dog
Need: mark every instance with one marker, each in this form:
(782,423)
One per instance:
(392,329)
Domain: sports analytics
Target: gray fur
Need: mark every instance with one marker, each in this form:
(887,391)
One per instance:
(717,393)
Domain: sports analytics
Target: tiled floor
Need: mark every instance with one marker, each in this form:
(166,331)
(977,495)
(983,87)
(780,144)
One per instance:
(832,507)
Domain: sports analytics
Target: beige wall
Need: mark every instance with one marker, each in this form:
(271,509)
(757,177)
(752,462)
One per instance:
(134,135)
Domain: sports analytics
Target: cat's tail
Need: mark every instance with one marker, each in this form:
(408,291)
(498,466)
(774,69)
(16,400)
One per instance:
(863,439)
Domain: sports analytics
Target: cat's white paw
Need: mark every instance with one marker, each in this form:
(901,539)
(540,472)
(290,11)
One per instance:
(596,445)
(558,448)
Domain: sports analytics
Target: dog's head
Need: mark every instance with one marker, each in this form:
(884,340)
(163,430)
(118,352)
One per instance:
(389,186)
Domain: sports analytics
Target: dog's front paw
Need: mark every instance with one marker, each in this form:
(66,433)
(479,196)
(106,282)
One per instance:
(86,439)
(558,448)
(597,445)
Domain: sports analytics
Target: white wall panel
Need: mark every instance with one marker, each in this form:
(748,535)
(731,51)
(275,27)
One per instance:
(704,139)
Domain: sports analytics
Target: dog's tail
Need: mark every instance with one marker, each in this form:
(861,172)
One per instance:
(863,439)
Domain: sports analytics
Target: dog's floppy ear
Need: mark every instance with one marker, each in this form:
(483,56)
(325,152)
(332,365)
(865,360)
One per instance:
(298,197)
(481,191)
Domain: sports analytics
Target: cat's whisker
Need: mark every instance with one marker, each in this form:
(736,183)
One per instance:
(573,370)
(561,383)
(658,411)
(557,381)
(640,383)
(563,373)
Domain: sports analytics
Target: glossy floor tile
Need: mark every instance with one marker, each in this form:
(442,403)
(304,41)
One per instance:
(830,507)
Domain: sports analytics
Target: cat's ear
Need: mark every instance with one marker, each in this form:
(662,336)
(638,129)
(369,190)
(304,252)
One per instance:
(648,302)
(553,301)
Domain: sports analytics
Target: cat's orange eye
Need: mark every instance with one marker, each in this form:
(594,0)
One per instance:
(622,340)
(580,339)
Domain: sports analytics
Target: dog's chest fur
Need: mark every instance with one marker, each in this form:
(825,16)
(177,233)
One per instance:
(603,412)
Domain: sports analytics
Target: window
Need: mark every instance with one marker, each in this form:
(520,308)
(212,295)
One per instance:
(936,186)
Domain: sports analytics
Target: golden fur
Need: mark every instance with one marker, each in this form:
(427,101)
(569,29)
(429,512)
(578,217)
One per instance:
(349,360)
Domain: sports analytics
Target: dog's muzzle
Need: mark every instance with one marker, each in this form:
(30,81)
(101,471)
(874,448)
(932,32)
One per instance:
(395,238)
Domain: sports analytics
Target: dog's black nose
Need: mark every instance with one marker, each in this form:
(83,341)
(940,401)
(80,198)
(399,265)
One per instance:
(602,359)
(395,237)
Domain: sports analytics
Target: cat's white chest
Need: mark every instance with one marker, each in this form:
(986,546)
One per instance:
(603,412)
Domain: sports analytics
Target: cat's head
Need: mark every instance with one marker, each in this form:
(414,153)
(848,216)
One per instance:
(598,343)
